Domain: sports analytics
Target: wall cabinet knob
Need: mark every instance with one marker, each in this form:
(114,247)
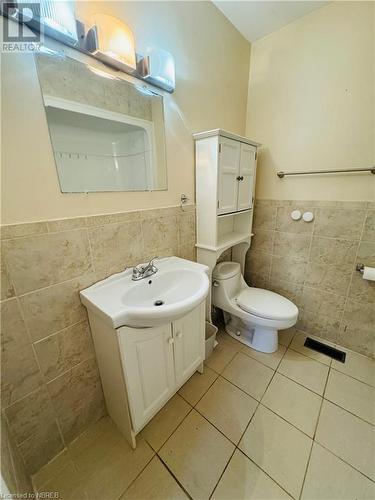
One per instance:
(179,335)
(170,341)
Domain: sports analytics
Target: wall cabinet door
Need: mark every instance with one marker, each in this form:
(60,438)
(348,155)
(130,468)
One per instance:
(188,333)
(149,370)
(247,176)
(229,167)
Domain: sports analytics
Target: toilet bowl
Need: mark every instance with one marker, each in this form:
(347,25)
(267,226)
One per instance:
(252,315)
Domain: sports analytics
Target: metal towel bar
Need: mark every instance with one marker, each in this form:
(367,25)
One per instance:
(339,171)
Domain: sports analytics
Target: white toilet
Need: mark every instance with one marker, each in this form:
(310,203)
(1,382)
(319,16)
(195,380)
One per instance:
(252,315)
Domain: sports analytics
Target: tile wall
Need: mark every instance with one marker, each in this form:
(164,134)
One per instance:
(51,388)
(314,263)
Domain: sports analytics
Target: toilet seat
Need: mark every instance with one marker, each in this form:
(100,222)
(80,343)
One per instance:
(266,304)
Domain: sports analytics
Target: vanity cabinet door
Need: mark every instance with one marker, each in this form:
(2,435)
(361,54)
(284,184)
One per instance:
(149,370)
(188,334)
(247,176)
(229,168)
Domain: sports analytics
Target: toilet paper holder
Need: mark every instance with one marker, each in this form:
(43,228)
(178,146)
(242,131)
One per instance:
(360,268)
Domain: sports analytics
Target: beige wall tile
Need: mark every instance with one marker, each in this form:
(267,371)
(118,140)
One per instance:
(339,223)
(369,229)
(29,414)
(291,245)
(330,278)
(187,251)
(262,241)
(66,224)
(6,287)
(186,227)
(291,291)
(104,219)
(38,261)
(115,247)
(19,230)
(361,290)
(264,217)
(20,374)
(62,351)
(41,447)
(285,223)
(319,325)
(319,301)
(366,253)
(288,269)
(357,328)
(12,467)
(333,251)
(77,398)
(258,263)
(160,233)
(51,309)
(13,328)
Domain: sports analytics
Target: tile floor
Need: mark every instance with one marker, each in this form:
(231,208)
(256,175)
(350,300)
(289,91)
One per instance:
(292,424)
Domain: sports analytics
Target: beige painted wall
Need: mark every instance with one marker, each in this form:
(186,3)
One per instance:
(311,103)
(212,64)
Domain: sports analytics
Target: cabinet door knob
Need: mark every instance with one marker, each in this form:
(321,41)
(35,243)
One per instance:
(179,335)
(170,341)
(238,178)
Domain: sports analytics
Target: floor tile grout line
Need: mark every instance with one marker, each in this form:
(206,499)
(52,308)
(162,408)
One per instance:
(315,430)
(174,477)
(354,378)
(265,472)
(350,412)
(344,461)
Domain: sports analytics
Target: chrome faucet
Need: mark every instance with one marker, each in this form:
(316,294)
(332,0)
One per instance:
(140,272)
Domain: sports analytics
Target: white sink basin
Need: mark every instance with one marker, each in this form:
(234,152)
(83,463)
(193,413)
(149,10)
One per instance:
(175,289)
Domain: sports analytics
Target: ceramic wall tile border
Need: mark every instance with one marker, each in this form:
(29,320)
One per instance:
(51,389)
(314,263)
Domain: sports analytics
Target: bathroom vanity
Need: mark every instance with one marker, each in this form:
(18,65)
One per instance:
(147,351)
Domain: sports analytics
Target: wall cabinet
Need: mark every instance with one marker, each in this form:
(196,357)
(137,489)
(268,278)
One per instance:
(225,176)
(142,368)
(236,173)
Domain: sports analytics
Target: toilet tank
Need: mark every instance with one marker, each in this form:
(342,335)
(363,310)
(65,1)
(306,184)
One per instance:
(228,277)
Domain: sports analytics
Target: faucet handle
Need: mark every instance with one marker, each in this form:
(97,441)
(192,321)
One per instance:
(151,263)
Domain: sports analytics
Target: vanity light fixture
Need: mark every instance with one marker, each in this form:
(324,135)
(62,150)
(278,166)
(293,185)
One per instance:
(54,19)
(158,68)
(109,40)
(112,41)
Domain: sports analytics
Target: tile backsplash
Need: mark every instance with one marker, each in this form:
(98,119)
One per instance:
(51,388)
(314,263)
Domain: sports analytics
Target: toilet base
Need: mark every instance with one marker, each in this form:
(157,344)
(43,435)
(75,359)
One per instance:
(257,337)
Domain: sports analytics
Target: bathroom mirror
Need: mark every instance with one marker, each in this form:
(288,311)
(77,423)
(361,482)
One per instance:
(106,133)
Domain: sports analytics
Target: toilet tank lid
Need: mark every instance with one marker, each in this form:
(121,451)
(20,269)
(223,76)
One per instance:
(226,270)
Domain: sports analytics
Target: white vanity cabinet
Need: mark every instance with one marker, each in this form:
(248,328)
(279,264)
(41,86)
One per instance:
(157,361)
(142,368)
